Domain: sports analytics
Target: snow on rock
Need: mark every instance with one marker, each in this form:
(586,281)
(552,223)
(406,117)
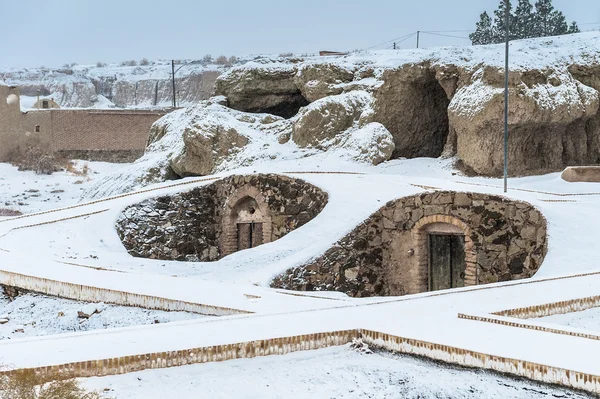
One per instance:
(372,143)
(450,99)
(323,120)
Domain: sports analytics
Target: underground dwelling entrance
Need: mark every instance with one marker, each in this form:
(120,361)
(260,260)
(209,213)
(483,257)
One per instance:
(31,314)
(216,220)
(428,242)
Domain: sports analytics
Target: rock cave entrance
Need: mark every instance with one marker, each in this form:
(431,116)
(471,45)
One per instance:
(287,106)
(415,111)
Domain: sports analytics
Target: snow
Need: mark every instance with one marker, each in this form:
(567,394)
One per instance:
(28,192)
(587,319)
(240,281)
(32,315)
(323,374)
(538,53)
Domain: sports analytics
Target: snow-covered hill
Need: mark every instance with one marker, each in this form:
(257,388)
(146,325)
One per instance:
(115,85)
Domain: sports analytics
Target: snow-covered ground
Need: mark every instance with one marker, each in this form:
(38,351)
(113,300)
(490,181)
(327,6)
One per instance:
(323,374)
(587,319)
(240,281)
(35,315)
(28,192)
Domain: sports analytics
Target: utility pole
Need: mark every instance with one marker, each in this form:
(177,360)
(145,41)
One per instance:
(173,82)
(418,36)
(507,20)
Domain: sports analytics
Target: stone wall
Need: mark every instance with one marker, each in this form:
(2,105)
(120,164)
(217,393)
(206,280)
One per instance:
(191,225)
(387,254)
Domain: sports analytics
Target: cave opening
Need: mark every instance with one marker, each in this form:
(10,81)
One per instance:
(287,106)
(415,111)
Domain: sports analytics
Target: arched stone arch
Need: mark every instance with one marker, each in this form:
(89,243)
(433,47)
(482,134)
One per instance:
(246,205)
(442,224)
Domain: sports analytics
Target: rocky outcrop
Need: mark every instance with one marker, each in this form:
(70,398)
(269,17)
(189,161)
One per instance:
(325,119)
(189,226)
(205,147)
(317,81)
(387,254)
(412,105)
(260,90)
(449,101)
(549,122)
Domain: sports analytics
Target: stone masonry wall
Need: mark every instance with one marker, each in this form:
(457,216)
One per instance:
(387,254)
(188,226)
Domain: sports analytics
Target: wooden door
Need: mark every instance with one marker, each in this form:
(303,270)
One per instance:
(244,237)
(446,261)
(257,234)
(249,235)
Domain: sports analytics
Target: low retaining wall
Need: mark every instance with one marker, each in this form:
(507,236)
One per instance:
(93,294)
(285,345)
(216,353)
(549,309)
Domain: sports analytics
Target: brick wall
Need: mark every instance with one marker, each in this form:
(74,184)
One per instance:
(101,130)
(111,135)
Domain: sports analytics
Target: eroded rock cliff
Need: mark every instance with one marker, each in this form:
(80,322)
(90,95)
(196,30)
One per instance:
(445,101)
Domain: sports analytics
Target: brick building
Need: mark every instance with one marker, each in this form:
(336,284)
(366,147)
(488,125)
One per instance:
(106,135)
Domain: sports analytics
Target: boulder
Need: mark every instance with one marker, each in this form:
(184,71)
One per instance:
(372,144)
(205,146)
(322,121)
(317,81)
(590,174)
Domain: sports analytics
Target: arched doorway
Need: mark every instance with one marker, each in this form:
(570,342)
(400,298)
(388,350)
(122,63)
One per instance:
(247,221)
(445,253)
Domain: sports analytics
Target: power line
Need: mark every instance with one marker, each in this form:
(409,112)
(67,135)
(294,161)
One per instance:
(439,34)
(449,31)
(389,41)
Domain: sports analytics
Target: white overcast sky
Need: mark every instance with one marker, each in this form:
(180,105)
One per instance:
(54,32)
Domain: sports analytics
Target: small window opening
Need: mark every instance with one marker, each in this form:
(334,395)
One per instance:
(37,128)
(45,104)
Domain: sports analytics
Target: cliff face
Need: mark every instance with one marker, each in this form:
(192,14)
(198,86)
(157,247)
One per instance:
(373,107)
(450,101)
(116,86)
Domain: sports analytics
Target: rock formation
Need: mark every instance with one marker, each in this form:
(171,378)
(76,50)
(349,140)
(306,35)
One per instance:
(426,103)
(446,101)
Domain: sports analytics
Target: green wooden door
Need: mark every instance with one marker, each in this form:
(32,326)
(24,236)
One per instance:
(446,261)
